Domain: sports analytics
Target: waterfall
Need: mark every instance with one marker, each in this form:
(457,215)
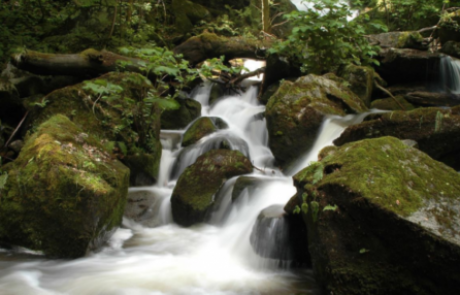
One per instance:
(152,255)
(449,75)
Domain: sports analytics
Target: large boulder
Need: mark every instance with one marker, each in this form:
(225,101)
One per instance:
(408,39)
(193,197)
(296,111)
(112,117)
(437,131)
(65,194)
(382,218)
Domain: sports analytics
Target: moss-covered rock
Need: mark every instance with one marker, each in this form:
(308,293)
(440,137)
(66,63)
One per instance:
(296,111)
(199,129)
(448,27)
(451,48)
(110,118)
(65,194)
(408,39)
(188,111)
(382,218)
(193,197)
(391,105)
(202,127)
(361,81)
(437,131)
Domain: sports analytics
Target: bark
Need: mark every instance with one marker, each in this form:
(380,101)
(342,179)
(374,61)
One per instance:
(199,48)
(433,99)
(89,63)
(266,16)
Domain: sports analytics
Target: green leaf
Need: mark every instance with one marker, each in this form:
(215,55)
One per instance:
(3,179)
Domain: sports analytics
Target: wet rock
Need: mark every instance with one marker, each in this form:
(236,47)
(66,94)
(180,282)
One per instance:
(278,236)
(437,131)
(248,183)
(193,197)
(104,119)
(179,119)
(382,218)
(391,105)
(65,195)
(144,206)
(296,111)
(202,127)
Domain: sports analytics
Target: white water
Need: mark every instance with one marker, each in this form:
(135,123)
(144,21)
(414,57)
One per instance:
(449,78)
(160,257)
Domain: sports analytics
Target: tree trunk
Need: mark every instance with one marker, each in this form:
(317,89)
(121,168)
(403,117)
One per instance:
(199,48)
(266,16)
(88,63)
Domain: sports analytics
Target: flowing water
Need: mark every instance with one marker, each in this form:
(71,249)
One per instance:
(449,75)
(156,256)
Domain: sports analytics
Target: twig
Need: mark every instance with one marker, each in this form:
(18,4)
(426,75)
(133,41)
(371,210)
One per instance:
(247,75)
(16,130)
(389,93)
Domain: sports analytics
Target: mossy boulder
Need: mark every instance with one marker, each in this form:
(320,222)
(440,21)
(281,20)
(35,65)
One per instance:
(382,218)
(391,105)
(296,111)
(451,48)
(408,39)
(188,111)
(448,27)
(361,81)
(113,119)
(437,131)
(65,194)
(202,127)
(193,197)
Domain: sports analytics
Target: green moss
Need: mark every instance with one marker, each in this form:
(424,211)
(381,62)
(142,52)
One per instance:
(65,192)
(391,105)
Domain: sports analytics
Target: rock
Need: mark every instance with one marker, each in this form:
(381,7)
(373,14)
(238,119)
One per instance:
(296,111)
(437,131)
(407,65)
(16,145)
(382,218)
(104,119)
(451,48)
(391,105)
(326,151)
(65,195)
(179,119)
(202,127)
(361,81)
(144,206)
(193,197)
(408,39)
(448,28)
(277,236)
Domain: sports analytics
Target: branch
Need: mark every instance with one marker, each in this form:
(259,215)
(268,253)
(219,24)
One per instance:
(389,93)
(247,75)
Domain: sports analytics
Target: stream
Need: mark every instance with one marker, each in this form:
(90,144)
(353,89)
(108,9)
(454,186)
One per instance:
(156,256)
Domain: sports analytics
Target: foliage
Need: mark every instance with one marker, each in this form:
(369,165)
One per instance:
(323,39)
(330,208)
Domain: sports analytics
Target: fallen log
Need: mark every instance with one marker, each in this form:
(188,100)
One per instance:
(199,48)
(88,63)
(433,99)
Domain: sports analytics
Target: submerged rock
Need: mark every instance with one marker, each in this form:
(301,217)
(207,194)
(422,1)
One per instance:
(382,218)
(296,111)
(193,197)
(437,131)
(281,237)
(202,127)
(65,195)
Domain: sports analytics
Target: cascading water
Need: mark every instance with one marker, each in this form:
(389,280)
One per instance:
(449,75)
(152,255)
